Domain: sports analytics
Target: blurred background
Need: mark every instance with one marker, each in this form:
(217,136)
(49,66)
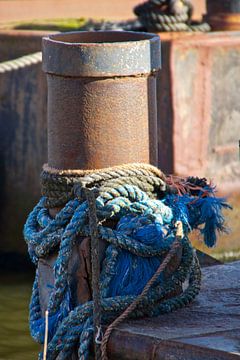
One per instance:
(198,127)
(24,10)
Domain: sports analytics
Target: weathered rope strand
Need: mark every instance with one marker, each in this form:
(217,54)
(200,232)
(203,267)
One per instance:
(174,247)
(137,207)
(21,62)
(168,15)
(58,185)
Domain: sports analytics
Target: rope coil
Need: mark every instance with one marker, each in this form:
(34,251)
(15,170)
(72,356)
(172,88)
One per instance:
(168,15)
(146,261)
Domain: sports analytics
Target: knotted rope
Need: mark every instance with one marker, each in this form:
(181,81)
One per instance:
(58,186)
(168,15)
(156,16)
(144,207)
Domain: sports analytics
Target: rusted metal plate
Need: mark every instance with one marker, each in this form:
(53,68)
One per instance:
(202,119)
(78,273)
(139,347)
(182,323)
(201,331)
(101,54)
(227,341)
(206,260)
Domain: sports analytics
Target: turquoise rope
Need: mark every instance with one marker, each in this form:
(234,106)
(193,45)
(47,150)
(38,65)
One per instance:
(72,326)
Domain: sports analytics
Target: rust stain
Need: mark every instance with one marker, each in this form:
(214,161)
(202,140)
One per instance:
(101,99)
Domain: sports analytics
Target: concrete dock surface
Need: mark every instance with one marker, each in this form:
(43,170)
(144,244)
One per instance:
(209,329)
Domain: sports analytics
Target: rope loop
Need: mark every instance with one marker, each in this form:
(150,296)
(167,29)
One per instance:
(143,219)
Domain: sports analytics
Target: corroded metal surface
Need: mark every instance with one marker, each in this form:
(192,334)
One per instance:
(223,14)
(206,260)
(101,98)
(16,43)
(78,275)
(209,329)
(79,271)
(101,122)
(224,22)
(223,6)
(101,54)
(201,120)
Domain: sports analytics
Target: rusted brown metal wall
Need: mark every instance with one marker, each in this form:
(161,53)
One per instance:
(199,111)
(95,124)
(16,43)
(23,149)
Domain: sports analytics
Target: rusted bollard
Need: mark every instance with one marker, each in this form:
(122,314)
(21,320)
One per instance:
(101,112)
(101,98)
(223,14)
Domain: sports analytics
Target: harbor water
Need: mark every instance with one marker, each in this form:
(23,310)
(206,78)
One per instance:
(15,340)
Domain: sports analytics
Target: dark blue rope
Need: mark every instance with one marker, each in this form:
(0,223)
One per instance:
(143,236)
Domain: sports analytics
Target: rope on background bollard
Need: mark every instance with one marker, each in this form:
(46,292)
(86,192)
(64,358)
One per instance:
(156,16)
(143,206)
(168,15)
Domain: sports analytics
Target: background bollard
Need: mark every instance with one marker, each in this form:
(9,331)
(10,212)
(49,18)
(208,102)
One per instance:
(223,15)
(101,98)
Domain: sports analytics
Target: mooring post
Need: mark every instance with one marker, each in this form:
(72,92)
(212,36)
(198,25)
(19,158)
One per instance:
(102,109)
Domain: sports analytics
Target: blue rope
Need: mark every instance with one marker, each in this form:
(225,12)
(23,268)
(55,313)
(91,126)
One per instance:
(143,235)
